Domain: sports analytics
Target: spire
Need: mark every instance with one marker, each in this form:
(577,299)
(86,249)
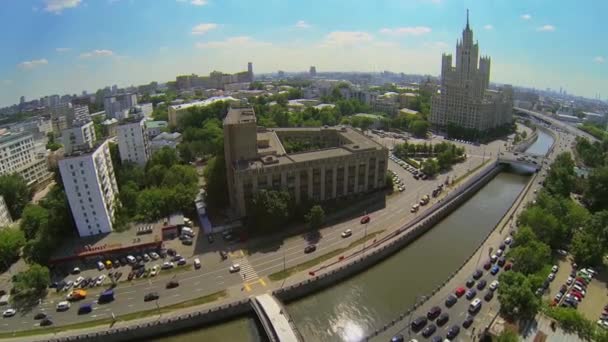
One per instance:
(468,19)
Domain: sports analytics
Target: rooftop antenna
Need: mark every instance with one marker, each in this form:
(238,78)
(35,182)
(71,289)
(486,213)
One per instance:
(467,18)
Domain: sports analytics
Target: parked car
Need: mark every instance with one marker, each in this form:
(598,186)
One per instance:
(365,219)
(494,285)
(418,323)
(470,283)
(471,294)
(481,284)
(234,268)
(197,263)
(477,274)
(151,296)
(443,319)
(429,330)
(467,322)
(489,295)
(181,262)
(9,312)
(433,312)
(460,291)
(495,269)
(451,300)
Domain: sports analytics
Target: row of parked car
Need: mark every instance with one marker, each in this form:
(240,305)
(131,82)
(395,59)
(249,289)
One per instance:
(417,174)
(397,181)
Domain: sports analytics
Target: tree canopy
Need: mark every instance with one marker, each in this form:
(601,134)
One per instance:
(517,300)
(269,210)
(11,241)
(33,281)
(16,193)
(315,217)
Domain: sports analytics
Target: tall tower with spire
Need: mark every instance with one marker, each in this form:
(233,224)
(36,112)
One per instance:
(464,99)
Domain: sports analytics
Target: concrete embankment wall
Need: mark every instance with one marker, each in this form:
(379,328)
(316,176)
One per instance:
(408,234)
(524,145)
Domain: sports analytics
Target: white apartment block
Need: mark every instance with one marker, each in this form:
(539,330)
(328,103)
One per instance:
(79,137)
(133,143)
(5,215)
(115,104)
(90,185)
(19,153)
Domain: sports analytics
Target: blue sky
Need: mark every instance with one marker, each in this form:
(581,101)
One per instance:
(66,46)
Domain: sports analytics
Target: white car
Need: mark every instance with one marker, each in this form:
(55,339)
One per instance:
(62,306)
(554,268)
(100,279)
(347,233)
(551,276)
(562,252)
(154,255)
(591,272)
(569,281)
(234,268)
(167,265)
(499,252)
(9,312)
(154,271)
(494,285)
(602,323)
(78,281)
(558,296)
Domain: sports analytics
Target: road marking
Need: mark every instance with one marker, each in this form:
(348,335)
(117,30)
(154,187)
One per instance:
(130,298)
(176,295)
(196,283)
(199,289)
(262,282)
(247,287)
(127,292)
(220,282)
(130,305)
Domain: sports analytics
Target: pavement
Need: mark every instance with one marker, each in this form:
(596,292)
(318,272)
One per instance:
(256,262)
(489,310)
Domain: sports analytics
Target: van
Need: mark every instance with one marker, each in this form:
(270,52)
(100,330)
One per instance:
(475,305)
(85,309)
(5,299)
(131,259)
(106,296)
(197,263)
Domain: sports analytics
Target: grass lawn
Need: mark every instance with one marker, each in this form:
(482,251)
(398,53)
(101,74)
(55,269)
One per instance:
(308,264)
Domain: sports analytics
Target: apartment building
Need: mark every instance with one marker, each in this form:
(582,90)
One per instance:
(20,153)
(133,143)
(80,137)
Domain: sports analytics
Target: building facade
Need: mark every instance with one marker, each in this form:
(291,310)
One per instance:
(5,215)
(133,143)
(165,139)
(114,105)
(19,153)
(79,137)
(463,97)
(90,185)
(343,161)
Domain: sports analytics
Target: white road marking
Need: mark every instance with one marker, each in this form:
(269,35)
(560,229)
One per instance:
(130,298)
(199,290)
(130,305)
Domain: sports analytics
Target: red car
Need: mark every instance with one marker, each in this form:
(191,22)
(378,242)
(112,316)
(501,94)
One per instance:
(365,219)
(578,295)
(460,291)
(487,265)
(508,266)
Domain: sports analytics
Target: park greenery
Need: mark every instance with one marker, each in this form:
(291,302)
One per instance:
(595,130)
(11,242)
(470,134)
(438,157)
(315,217)
(17,194)
(31,282)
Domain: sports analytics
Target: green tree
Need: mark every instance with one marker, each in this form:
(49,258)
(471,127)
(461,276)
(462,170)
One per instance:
(315,217)
(33,219)
(269,210)
(180,174)
(389,183)
(507,335)
(16,193)
(531,257)
(419,128)
(216,184)
(430,167)
(523,236)
(597,191)
(33,281)
(153,204)
(11,241)
(561,178)
(546,227)
(52,144)
(516,297)
(587,249)
(166,157)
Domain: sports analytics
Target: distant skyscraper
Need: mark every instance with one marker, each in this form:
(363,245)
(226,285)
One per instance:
(22,100)
(117,103)
(313,71)
(464,98)
(114,89)
(250,71)
(53,100)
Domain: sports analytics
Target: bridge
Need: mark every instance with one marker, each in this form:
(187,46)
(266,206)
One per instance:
(522,159)
(554,122)
(274,319)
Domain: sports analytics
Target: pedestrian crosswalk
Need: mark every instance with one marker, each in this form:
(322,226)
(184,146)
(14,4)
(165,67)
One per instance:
(247,272)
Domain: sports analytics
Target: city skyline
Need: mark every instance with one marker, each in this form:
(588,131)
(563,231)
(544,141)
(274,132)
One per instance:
(140,44)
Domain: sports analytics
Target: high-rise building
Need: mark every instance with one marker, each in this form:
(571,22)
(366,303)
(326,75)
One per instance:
(133,143)
(79,137)
(23,155)
(312,71)
(5,215)
(463,98)
(54,100)
(78,115)
(250,71)
(22,100)
(115,104)
(90,185)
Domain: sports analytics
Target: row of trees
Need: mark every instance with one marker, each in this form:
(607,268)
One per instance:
(471,134)
(439,157)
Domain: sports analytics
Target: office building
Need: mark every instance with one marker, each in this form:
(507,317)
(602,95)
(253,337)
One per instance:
(340,161)
(79,137)
(313,71)
(5,215)
(91,189)
(20,153)
(133,143)
(463,98)
(114,105)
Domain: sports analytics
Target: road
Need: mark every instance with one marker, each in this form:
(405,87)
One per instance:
(255,267)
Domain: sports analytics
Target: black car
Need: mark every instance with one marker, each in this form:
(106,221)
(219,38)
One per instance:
(151,296)
(116,263)
(437,338)
(450,301)
(139,258)
(433,312)
(172,284)
(481,284)
(470,283)
(397,338)
(477,274)
(224,255)
(443,319)
(430,330)
(501,262)
(176,257)
(471,294)
(418,323)
(310,248)
(124,261)
(563,289)
(187,242)
(502,246)
(46,322)
(467,322)
(453,332)
(489,295)
(181,262)
(162,253)
(40,315)
(171,251)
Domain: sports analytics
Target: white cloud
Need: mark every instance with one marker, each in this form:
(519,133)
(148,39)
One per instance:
(203,28)
(342,38)
(7,82)
(406,31)
(546,28)
(232,42)
(28,65)
(526,16)
(302,24)
(488,27)
(436,45)
(195,2)
(97,53)
(62,49)
(56,6)
(599,59)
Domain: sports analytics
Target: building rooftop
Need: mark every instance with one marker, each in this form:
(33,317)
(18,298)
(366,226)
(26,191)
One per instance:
(239,115)
(156,124)
(167,136)
(203,102)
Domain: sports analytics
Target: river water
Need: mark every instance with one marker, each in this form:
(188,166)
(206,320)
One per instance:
(355,307)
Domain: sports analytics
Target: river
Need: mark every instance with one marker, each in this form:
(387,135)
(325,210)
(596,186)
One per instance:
(354,307)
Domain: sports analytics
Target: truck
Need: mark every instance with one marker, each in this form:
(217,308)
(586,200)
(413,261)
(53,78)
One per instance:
(106,296)
(425,200)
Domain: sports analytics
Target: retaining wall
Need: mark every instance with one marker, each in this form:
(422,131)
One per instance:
(524,145)
(409,233)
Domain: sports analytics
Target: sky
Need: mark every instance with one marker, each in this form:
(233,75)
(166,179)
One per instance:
(66,46)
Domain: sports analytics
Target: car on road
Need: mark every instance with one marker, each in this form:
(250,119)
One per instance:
(151,296)
(429,330)
(46,322)
(481,284)
(172,284)
(234,268)
(9,312)
(398,338)
(477,274)
(176,257)
(224,255)
(443,319)
(489,295)
(310,249)
(451,300)
(554,268)
(494,285)
(437,338)
(418,323)
(471,294)
(495,269)
(487,265)
(167,265)
(187,242)
(40,315)
(181,262)
(460,292)
(347,233)
(63,305)
(154,255)
(154,271)
(453,332)
(470,283)
(197,263)
(365,219)
(85,309)
(467,322)
(433,312)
